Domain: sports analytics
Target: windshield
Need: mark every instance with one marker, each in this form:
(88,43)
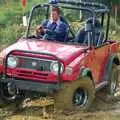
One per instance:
(74,18)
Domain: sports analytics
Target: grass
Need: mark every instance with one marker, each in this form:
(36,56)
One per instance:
(11,20)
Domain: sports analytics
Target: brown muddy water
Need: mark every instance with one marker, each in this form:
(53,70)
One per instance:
(34,110)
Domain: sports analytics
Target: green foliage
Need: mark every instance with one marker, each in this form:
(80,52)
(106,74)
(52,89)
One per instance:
(8,18)
(11,33)
(115,2)
(11,13)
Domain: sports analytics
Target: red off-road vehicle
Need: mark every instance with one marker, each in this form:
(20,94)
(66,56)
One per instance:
(71,71)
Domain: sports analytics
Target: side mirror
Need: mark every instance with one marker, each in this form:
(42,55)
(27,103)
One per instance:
(25,21)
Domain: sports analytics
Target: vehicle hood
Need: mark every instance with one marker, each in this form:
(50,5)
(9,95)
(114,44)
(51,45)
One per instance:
(65,52)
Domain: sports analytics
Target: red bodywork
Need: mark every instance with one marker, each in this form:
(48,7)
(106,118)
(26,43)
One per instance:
(72,56)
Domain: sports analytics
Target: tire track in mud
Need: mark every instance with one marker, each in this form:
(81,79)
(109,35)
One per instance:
(99,110)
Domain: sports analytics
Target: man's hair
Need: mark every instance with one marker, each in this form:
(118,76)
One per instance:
(56,9)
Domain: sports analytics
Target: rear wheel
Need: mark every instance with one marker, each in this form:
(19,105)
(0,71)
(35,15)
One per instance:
(108,93)
(9,95)
(113,81)
(76,95)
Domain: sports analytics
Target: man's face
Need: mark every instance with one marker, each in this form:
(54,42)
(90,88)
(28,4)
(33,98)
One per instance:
(54,15)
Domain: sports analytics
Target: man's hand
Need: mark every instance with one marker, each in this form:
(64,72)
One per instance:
(39,30)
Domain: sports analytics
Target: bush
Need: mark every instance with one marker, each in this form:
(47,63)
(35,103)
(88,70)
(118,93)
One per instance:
(11,33)
(11,20)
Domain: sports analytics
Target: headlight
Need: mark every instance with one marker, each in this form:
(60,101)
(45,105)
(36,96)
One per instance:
(55,67)
(12,62)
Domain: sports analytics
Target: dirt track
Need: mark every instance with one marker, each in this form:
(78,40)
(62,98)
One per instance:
(100,110)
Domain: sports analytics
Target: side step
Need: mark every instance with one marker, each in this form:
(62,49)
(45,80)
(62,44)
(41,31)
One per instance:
(101,85)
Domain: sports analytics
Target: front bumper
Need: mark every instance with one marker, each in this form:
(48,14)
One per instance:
(32,86)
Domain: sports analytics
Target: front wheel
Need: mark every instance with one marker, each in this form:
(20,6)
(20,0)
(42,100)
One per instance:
(9,94)
(76,95)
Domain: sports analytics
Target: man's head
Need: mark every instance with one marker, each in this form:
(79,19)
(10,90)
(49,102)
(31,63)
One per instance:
(55,14)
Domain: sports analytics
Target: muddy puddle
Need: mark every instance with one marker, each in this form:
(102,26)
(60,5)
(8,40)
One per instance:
(100,110)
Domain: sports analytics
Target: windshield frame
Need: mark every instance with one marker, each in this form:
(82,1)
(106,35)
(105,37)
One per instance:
(75,7)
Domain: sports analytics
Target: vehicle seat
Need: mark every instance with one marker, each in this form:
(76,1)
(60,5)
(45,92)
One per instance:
(80,37)
(85,33)
(99,34)
(63,20)
(69,30)
(99,37)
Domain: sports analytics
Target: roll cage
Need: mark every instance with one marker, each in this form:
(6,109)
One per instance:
(92,8)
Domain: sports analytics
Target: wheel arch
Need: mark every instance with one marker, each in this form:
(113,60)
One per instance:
(116,60)
(86,72)
(113,59)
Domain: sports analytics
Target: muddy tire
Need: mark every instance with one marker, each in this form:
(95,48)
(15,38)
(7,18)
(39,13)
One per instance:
(6,98)
(113,81)
(108,93)
(76,95)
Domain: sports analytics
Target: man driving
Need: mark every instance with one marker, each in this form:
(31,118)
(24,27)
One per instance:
(54,27)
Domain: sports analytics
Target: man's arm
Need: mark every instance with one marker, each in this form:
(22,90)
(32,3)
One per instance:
(44,24)
(61,31)
(41,28)
(62,28)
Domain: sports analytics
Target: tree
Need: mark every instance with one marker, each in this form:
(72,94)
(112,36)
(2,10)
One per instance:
(115,5)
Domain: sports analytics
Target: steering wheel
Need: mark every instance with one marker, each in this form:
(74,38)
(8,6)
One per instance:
(49,35)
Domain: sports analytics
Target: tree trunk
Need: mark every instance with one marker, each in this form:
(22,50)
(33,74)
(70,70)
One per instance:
(116,14)
(6,2)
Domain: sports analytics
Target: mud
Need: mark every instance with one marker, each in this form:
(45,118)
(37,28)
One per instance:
(43,109)
(32,110)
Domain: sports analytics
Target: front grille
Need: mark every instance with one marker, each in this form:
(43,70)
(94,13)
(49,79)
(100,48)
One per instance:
(34,64)
(30,74)
(29,68)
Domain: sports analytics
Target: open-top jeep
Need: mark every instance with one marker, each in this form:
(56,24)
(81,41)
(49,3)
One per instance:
(71,71)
